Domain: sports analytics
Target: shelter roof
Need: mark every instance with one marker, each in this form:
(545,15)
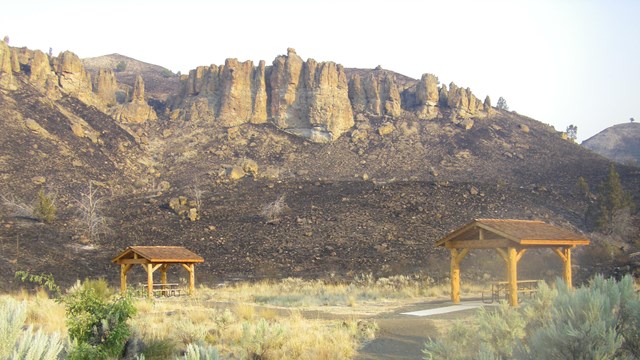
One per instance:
(158,254)
(491,233)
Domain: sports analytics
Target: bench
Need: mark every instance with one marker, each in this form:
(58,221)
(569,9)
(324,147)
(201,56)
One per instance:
(500,290)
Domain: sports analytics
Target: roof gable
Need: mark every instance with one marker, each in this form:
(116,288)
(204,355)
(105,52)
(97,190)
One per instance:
(491,233)
(159,254)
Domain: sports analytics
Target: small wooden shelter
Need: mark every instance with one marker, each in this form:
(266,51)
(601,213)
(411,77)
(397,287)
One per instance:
(153,258)
(511,239)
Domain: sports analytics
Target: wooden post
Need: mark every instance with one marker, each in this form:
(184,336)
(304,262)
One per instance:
(565,256)
(192,279)
(191,268)
(163,273)
(149,269)
(124,268)
(512,272)
(456,258)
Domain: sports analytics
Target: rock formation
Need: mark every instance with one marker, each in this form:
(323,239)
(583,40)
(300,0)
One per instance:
(427,97)
(376,94)
(463,101)
(308,99)
(73,78)
(105,86)
(7,80)
(137,110)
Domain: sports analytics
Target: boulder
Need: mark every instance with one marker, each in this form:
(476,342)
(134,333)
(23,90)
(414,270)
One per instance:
(235,173)
(386,129)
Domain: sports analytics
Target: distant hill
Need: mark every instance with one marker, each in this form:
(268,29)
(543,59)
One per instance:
(620,143)
(159,82)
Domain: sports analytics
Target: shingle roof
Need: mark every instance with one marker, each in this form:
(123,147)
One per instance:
(160,254)
(523,232)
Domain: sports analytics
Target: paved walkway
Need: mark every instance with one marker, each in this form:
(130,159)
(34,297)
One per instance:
(467,305)
(402,334)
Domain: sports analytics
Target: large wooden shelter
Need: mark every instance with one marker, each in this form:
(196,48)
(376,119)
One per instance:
(511,239)
(153,258)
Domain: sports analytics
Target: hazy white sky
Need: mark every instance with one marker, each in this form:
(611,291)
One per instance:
(560,62)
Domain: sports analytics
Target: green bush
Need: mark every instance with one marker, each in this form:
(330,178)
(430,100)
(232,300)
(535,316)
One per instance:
(599,321)
(97,325)
(45,209)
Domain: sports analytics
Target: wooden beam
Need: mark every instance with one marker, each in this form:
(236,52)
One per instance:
(520,253)
(192,279)
(565,256)
(149,269)
(163,273)
(479,244)
(456,258)
(503,254)
(512,271)
(133,261)
(124,268)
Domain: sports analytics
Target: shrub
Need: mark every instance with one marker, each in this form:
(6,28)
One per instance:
(19,344)
(601,321)
(12,317)
(37,346)
(45,208)
(263,340)
(199,352)
(92,222)
(97,326)
(271,212)
(159,349)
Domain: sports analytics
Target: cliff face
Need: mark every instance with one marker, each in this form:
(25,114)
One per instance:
(314,100)
(309,99)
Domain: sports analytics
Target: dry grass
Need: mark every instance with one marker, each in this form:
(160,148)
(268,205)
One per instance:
(246,331)
(365,295)
(43,313)
(287,319)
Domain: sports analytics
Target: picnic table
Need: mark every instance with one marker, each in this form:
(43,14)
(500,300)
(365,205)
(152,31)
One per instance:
(500,289)
(167,289)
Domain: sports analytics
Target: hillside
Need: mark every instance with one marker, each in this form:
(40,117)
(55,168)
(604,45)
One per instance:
(372,168)
(160,82)
(620,143)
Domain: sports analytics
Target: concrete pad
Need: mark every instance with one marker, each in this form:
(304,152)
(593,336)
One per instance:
(446,309)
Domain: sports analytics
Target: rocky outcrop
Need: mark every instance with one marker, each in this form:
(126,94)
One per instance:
(7,80)
(427,97)
(376,94)
(73,78)
(309,99)
(240,86)
(463,101)
(105,86)
(137,110)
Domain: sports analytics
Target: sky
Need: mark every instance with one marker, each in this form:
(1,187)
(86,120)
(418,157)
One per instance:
(561,62)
